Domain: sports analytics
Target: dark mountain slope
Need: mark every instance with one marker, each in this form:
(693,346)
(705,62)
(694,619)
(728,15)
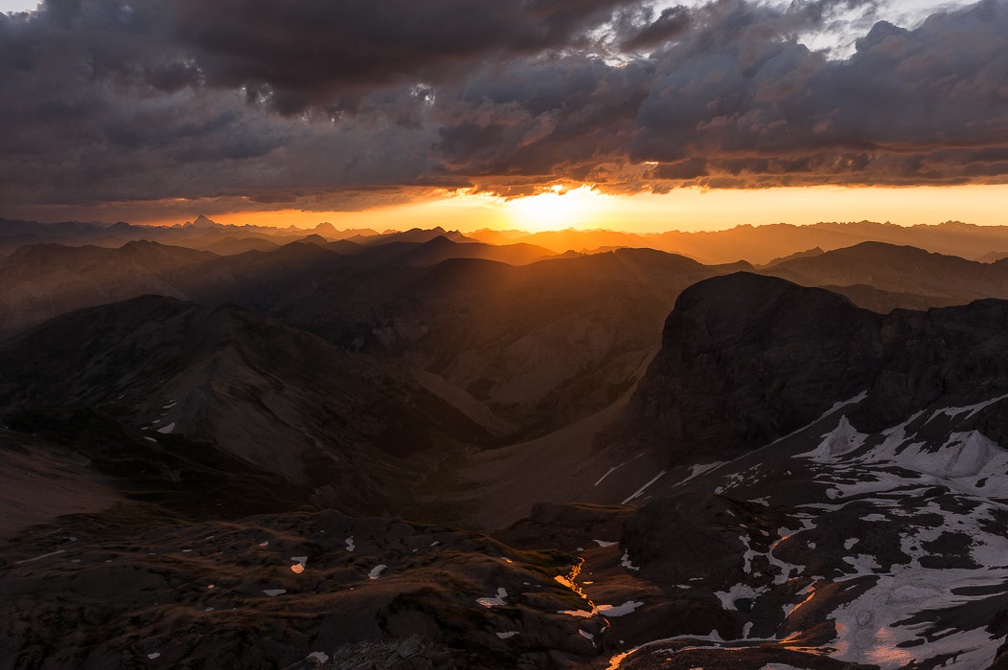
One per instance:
(441,248)
(748,359)
(884,302)
(413,235)
(351,431)
(545,343)
(227,246)
(940,280)
(954,356)
(42,281)
(258,280)
(809,253)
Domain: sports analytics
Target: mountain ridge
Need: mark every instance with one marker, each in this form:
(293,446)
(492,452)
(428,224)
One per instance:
(758,244)
(746,359)
(282,401)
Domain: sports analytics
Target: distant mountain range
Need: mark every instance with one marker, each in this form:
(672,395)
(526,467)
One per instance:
(759,245)
(762,244)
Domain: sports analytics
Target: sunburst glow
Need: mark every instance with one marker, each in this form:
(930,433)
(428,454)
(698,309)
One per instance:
(556,209)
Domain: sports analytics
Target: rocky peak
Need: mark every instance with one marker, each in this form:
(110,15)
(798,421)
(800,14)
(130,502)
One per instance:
(747,359)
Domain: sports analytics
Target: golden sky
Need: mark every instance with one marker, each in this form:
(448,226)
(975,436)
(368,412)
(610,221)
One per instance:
(688,209)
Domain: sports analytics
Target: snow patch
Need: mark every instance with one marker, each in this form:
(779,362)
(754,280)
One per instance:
(737,592)
(376,571)
(619,610)
(969,410)
(625,561)
(863,564)
(699,469)
(969,454)
(579,614)
(868,632)
(167,429)
(496,601)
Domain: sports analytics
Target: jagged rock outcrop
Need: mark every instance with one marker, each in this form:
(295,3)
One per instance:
(747,359)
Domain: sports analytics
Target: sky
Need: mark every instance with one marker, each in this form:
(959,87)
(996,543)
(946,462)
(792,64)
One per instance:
(532,114)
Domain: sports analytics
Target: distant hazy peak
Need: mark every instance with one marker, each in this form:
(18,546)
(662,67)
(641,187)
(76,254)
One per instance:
(203,222)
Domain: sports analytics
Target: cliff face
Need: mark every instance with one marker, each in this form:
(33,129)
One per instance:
(747,359)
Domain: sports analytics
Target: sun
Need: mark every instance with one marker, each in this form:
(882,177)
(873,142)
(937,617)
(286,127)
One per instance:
(555,209)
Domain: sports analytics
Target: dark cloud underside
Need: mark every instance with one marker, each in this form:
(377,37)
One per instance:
(308,103)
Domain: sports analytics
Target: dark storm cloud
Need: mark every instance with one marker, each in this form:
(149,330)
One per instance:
(318,104)
(736,101)
(316,53)
(908,106)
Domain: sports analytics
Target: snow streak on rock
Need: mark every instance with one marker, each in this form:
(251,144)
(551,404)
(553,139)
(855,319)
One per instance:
(638,492)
